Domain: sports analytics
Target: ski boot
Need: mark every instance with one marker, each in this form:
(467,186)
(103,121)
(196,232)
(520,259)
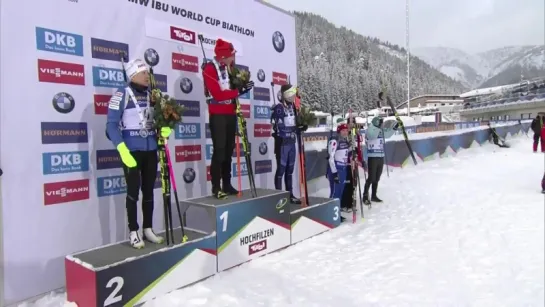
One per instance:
(294,200)
(134,239)
(150,236)
(229,189)
(375,199)
(218,193)
(366,200)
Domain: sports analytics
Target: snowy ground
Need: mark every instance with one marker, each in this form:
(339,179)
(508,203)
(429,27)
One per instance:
(462,231)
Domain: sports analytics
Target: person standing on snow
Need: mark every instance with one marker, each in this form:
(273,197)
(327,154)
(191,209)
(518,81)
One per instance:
(339,170)
(538,128)
(375,138)
(222,115)
(285,130)
(130,128)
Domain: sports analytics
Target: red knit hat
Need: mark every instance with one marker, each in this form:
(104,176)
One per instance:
(224,49)
(342,126)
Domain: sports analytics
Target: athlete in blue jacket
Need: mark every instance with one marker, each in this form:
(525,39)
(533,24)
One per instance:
(375,155)
(285,129)
(130,128)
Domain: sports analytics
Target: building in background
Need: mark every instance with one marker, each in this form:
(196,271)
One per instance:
(511,102)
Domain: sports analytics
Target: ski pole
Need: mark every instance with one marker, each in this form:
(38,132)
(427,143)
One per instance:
(239,171)
(173,180)
(384,149)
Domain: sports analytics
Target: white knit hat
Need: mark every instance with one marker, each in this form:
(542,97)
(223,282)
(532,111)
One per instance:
(134,67)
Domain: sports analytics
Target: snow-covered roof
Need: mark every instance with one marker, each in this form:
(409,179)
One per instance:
(488,90)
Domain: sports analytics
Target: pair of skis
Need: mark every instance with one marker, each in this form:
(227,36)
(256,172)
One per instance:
(355,169)
(167,174)
(242,133)
(400,123)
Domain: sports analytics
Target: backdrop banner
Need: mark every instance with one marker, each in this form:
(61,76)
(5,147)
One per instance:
(62,188)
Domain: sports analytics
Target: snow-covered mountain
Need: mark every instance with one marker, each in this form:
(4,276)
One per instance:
(490,68)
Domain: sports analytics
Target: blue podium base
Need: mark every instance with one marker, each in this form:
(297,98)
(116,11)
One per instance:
(321,215)
(119,275)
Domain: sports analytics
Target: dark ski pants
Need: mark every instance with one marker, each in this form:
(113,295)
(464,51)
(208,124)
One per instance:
(537,139)
(285,163)
(141,178)
(344,189)
(374,169)
(223,130)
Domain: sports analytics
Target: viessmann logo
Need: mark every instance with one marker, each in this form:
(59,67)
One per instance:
(61,72)
(279,78)
(185,62)
(262,130)
(101,103)
(188,153)
(66,191)
(182,35)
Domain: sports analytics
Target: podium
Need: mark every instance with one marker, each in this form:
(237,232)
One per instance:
(321,215)
(119,275)
(246,227)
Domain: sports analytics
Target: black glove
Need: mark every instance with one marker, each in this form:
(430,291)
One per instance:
(335,177)
(302,128)
(246,88)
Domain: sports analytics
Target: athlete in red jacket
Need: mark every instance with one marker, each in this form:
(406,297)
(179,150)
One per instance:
(222,117)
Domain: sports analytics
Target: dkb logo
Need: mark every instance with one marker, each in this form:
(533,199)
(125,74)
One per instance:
(65,162)
(262,112)
(108,77)
(112,185)
(243,169)
(59,42)
(187,131)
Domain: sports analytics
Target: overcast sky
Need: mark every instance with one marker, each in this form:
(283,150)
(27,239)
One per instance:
(470,25)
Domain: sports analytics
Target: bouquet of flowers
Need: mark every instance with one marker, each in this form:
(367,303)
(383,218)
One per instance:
(238,77)
(167,112)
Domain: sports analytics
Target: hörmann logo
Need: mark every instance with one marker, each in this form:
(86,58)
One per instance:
(185,62)
(61,72)
(107,159)
(262,94)
(191,108)
(108,50)
(279,78)
(161,82)
(263,166)
(64,132)
(183,35)
(59,42)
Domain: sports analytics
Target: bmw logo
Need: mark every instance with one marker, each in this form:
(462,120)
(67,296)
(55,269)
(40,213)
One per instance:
(186,85)
(263,148)
(64,103)
(261,75)
(189,175)
(278,41)
(151,57)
